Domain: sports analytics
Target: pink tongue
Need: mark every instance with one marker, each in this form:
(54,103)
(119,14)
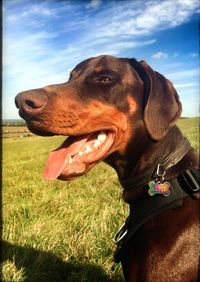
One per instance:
(59,157)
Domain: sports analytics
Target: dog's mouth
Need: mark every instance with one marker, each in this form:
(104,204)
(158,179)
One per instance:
(77,154)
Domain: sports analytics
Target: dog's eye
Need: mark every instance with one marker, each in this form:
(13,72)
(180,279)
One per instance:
(105,79)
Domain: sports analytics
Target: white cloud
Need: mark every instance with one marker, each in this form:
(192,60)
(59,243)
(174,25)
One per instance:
(146,18)
(160,55)
(94,4)
(108,46)
(27,48)
(186,85)
(134,44)
(34,10)
(184,74)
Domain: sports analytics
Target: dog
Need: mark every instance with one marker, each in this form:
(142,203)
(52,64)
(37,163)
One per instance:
(121,111)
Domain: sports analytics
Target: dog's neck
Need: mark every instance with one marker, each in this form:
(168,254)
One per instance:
(149,153)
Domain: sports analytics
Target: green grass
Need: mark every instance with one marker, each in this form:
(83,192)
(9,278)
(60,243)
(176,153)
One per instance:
(190,128)
(60,231)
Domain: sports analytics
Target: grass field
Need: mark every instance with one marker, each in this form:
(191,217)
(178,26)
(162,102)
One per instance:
(61,231)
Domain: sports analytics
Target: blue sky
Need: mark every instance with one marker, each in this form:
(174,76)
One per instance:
(44,40)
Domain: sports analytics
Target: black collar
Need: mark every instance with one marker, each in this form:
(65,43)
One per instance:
(184,185)
(163,165)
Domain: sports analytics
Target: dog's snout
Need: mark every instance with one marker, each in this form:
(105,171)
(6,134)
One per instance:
(31,102)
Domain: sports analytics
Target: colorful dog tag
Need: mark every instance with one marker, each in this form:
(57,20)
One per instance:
(159,188)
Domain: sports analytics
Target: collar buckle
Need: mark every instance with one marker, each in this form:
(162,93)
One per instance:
(121,233)
(160,172)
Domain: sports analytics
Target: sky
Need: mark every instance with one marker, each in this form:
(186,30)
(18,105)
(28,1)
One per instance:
(43,40)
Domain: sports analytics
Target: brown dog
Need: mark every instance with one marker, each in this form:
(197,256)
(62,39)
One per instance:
(121,111)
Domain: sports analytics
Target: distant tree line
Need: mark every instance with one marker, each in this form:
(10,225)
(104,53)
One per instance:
(13,123)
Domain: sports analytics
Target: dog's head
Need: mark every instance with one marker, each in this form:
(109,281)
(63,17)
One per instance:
(101,107)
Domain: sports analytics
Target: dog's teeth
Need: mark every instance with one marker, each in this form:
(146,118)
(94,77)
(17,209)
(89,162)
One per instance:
(88,149)
(96,143)
(70,160)
(101,137)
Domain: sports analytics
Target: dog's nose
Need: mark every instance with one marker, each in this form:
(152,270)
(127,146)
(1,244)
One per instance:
(31,102)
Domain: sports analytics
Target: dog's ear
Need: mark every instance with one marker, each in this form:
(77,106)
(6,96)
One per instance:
(162,107)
